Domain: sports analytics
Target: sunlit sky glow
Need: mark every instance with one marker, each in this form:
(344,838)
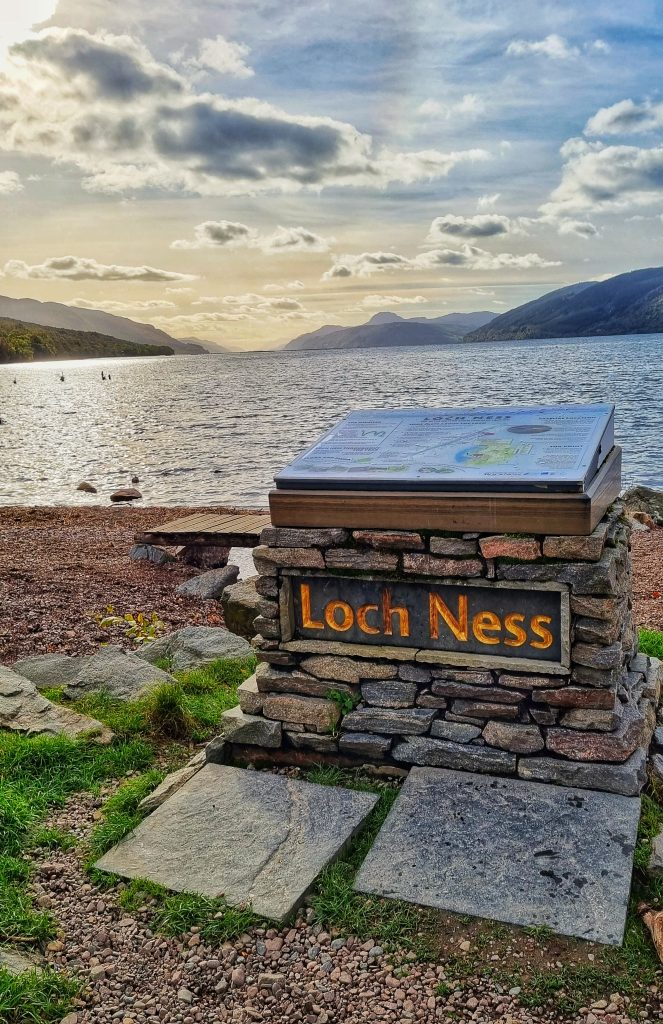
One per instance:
(244,171)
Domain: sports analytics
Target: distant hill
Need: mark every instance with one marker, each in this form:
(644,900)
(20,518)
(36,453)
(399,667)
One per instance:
(22,342)
(58,314)
(626,304)
(387,330)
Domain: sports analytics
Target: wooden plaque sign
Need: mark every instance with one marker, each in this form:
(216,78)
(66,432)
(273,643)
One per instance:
(491,624)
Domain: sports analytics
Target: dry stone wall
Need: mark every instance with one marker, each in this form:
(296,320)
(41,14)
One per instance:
(585,724)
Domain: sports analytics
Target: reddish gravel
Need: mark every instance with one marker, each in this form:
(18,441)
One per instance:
(648,578)
(58,566)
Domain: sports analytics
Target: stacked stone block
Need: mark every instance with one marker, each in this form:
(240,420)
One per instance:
(387,706)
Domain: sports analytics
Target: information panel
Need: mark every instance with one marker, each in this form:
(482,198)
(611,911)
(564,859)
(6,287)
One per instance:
(555,448)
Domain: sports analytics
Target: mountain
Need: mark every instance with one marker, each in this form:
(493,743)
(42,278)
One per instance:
(58,314)
(209,346)
(387,330)
(22,342)
(626,304)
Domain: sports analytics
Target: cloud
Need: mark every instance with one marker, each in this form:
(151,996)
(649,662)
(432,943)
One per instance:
(597,177)
(481,225)
(112,306)
(469,106)
(76,268)
(10,183)
(581,228)
(102,103)
(376,301)
(486,201)
(468,257)
(553,46)
(238,308)
(283,286)
(213,234)
(626,117)
(220,55)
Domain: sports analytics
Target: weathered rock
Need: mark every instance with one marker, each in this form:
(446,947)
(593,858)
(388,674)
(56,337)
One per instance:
(422,750)
(456,732)
(290,537)
(273,680)
(249,696)
(409,721)
(318,742)
(426,699)
(364,744)
(342,670)
(266,586)
(205,556)
(658,737)
(607,608)
(481,709)
(336,647)
(494,694)
(588,718)
(365,561)
(588,746)
(459,675)
(594,656)
(376,670)
(318,715)
(627,778)
(597,631)
(86,486)
(453,547)
(644,499)
(194,646)
(150,553)
(24,710)
(520,739)
(577,548)
(255,838)
(578,697)
(126,494)
(596,676)
(253,730)
(594,578)
(414,674)
(239,603)
(654,680)
(269,628)
(269,560)
(548,716)
(526,853)
(655,866)
(657,766)
(530,682)
(389,540)
(209,585)
(429,565)
(112,670)
(170,785)
(394,693)
(16,963)
(522,549)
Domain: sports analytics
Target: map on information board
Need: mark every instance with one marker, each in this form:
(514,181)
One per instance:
(555,448)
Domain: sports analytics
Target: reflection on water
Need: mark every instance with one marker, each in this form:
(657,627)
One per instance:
(210,429)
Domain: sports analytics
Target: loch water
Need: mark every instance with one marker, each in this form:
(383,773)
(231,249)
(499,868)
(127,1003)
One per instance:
(215,429)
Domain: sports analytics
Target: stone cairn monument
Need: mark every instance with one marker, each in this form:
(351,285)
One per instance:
(483,623)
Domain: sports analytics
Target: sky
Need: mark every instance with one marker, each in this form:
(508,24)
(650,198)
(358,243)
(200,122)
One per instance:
(245,171)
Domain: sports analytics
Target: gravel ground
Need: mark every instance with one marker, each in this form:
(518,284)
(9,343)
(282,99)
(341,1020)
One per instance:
(58,566)
(648,578)
(296,974)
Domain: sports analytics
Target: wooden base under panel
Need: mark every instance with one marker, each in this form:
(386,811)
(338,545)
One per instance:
(551,513)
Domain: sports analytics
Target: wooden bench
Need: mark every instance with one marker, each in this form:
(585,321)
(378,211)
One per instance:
(208,536)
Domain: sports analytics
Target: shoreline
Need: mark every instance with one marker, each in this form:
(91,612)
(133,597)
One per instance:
(60,565)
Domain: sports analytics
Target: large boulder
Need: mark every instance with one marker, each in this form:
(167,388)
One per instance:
(645,500)
(196,645)
(240,607)
(125,494)
(112,670)
(150,553)
(23,709)
(209,585)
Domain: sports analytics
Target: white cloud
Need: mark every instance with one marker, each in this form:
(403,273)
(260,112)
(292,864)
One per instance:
(77,268)
(469,106)
(581,228)
(553,46)
(214,234)
(10,183)
(376,301)
(485,202)
(468,257)
(597,177)
(112,306)
(626,117)
(283,286)
(481,225)
(221,55)
(103,104)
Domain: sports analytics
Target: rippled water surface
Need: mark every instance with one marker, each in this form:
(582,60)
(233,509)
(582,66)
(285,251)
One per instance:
(211,429)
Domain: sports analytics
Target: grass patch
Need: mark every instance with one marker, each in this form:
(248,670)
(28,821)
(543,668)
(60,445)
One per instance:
(120,814)
(651,643)
(33,998)
(176,913)
(191,709)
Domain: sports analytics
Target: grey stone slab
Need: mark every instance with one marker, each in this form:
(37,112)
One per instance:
(194,646)
(252,837)
(521,852)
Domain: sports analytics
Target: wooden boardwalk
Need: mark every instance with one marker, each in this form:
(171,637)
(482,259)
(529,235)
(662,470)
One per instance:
(235,530)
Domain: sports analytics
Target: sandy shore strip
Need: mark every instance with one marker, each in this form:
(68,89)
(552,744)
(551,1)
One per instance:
(60,566)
